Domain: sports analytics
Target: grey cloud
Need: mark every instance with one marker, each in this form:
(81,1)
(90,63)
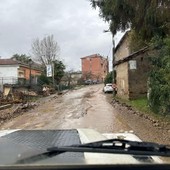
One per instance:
(75,25)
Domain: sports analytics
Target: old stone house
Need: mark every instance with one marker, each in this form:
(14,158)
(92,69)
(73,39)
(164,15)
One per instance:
(132,70)
(94,67)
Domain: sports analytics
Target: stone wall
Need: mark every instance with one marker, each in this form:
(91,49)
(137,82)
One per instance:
(138,77)
(123,50)
(122,70)
(122,81)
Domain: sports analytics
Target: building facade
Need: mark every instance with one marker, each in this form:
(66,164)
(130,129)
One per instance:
(13,72)
(132,70)
(71,78)
(94,67)
(8,71)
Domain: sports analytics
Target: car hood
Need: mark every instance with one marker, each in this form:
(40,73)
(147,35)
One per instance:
(16,145)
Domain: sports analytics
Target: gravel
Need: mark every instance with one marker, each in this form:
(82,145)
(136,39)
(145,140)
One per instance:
(147,127)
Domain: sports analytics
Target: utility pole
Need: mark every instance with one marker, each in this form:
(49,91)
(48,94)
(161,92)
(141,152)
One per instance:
(113,60)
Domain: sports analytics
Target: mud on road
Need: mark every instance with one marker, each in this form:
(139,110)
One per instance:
(87,107)
(83,108)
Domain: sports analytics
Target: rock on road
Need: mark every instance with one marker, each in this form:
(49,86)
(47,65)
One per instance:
(83,108)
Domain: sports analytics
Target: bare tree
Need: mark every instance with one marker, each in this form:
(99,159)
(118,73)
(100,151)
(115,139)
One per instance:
(68,77)
(45,50)
(87,75)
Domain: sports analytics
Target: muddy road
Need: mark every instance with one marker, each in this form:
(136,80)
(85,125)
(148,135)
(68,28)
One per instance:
(87,107)
(84,108)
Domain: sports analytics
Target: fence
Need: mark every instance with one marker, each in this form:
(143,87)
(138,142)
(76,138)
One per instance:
(16,81)
(8,80)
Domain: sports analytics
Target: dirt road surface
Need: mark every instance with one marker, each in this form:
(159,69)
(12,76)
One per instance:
(87,107)
(83,108)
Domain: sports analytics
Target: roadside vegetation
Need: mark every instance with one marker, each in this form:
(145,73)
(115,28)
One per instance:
(159,80)
(108,78)
(142,105)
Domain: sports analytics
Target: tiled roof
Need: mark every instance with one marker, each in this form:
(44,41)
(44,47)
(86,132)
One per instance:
(8,62)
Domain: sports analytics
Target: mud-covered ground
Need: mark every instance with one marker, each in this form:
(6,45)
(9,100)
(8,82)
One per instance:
(146,126)
(89,107)
(84,108)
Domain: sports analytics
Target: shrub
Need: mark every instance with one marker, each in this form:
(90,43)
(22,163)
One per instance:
(159,82)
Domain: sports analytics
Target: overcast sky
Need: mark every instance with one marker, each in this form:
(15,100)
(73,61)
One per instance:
(75,25)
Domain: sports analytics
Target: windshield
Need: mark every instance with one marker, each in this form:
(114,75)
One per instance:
(81,71)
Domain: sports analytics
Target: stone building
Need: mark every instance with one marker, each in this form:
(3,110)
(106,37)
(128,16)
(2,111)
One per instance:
(132,70)
(94,67)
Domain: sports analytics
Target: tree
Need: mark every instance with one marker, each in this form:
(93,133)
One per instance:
(68,77)
(46,50)
(87,75)
(23,58)
(159,81)
(44,80)
(136,42)
(109,78)
(146,17)
(59,68)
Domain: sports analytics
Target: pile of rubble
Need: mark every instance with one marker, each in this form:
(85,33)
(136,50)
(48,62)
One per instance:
(15,110)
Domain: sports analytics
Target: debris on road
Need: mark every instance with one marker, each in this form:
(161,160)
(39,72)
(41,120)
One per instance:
(15,110)
(6,106)
(13,95)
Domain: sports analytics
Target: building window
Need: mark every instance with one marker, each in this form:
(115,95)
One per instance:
(132,65)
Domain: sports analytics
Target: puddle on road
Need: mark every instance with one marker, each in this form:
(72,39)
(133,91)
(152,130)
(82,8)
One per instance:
(74,105)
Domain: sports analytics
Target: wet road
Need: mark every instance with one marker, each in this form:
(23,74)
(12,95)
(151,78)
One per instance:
(83,108)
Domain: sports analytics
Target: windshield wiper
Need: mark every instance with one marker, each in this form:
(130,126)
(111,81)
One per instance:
(117,146)
(112,146)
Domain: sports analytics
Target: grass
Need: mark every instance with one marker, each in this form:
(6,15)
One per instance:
(141,105)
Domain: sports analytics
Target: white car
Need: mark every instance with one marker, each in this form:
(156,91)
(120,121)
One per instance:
(108,88)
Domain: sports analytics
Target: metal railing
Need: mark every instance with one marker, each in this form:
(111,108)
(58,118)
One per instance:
(8,80)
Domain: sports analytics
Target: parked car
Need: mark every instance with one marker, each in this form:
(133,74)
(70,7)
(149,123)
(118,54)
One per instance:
(88,82)
(95,81)
(108,88)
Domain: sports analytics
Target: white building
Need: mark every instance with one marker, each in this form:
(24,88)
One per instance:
(8,72)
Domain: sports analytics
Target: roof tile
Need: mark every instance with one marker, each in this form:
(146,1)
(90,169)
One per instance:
(8,62)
